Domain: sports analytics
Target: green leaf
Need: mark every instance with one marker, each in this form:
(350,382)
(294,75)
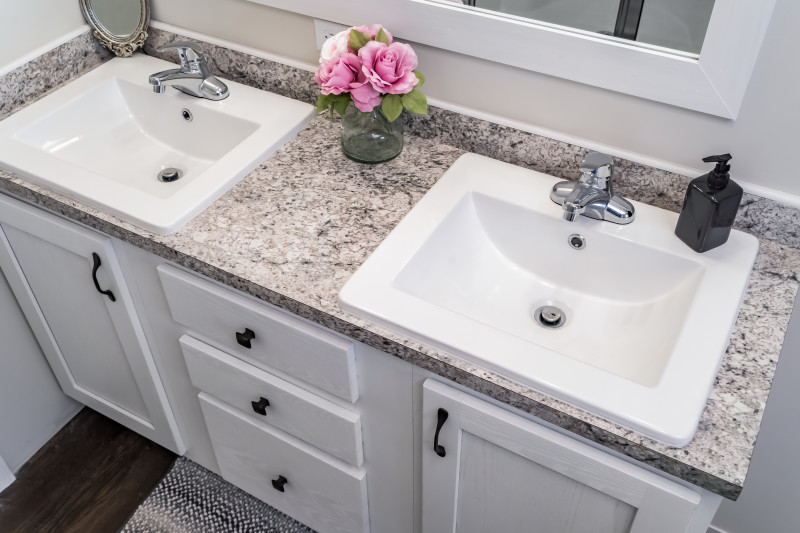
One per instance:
(392,106)
(415,102)
(340,104)
(420,77)
(357,40)
(381,37)
(323,102)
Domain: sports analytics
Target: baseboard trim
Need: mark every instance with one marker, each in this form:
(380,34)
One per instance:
(6,477)
(47,433)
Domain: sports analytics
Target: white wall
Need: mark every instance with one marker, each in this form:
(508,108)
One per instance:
(32,406)
(759,139)
(30,24)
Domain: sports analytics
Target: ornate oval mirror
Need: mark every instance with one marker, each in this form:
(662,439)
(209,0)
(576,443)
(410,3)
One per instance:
(119,25)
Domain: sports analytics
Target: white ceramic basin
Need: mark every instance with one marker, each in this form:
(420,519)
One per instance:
(647,318)
(104,138)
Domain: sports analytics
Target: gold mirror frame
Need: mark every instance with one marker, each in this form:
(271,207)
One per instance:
(121,46)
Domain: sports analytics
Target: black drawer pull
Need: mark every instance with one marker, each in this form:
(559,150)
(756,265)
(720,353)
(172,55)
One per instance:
(244,338)
(260,406)
(278,484)
(110,294)
(441,418)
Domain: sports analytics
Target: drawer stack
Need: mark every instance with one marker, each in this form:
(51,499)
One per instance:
(281,441)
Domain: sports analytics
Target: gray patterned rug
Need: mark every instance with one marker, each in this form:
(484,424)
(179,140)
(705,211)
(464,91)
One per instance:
(191,499)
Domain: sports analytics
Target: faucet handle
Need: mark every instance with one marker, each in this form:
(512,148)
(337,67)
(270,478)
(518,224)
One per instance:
(189,52)
(597,165)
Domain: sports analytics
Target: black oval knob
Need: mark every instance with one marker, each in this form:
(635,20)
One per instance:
(278,484)
(260,406)
(441,417)
(244,338)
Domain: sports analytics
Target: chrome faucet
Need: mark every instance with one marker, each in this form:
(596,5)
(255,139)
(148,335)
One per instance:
(193,78)
(593,194)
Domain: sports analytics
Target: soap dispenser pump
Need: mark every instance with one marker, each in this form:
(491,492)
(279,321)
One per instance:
(710,207)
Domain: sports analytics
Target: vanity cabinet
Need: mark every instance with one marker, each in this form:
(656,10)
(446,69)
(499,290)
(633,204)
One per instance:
(294,415)
(68,283)
(339,435)
(487,469)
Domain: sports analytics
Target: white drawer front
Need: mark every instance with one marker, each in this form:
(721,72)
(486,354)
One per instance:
(320,491)
(282,341)
(327,426)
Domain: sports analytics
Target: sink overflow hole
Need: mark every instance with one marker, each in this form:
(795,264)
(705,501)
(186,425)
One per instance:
(170,174)
(577,241)
(187,115)
(550,316)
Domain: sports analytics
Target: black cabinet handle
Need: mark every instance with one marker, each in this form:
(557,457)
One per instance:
(110,294)
(260,406)
(278,484)
(244,338)
(441,418)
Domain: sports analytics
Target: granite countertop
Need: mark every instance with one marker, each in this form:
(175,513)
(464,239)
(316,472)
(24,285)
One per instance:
(294,230)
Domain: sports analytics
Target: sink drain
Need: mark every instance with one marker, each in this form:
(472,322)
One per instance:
(550,316)
(577,241)
(170,174)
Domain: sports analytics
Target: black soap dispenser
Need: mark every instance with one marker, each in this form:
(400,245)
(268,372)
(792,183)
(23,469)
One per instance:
(709,207)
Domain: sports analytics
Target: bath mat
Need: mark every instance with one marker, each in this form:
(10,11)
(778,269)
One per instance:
(191,499)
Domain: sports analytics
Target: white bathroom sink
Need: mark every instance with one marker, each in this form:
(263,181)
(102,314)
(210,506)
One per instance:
(645,320)
(104,137)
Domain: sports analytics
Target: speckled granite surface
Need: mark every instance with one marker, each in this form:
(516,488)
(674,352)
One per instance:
(30,81)
(293,230)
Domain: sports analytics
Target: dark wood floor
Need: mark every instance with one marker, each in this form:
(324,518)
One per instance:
(89,478)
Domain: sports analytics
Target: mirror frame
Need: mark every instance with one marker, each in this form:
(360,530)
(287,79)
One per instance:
(713,82)
(121,46)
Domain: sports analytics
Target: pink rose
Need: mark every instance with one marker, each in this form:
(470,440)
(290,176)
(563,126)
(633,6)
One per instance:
(364,96)
(335,46)
(335,75)
(372,31)
(389,68)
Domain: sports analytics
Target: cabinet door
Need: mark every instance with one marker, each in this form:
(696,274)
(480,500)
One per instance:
(499,472)
(92,340)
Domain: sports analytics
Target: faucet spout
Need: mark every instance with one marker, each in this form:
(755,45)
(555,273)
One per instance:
(571,213)
(193,77)
(593,194)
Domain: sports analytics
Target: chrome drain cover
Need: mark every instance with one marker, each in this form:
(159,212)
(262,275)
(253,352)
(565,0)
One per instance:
(577,241)
(549,316)
(170,174)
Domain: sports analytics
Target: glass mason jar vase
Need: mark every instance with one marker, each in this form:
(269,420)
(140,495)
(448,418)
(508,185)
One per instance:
(369,137)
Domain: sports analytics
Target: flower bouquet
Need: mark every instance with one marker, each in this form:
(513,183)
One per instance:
(364,66)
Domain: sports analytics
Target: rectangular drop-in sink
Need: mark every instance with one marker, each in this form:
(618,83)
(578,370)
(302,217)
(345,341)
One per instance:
(635,323)
(106,137)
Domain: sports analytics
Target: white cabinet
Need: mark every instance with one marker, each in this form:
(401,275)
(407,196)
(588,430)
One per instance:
(318,490)
(265,336)
(486,469)
(71,290)
(307,420)
(347,431)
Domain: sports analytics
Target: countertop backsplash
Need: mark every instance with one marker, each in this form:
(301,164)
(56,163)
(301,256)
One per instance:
(293,230)
(643,183)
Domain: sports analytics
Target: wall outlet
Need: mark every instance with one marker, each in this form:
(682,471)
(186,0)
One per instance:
(324,30)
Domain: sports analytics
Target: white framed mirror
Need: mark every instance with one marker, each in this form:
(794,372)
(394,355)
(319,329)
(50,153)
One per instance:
(713,81)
